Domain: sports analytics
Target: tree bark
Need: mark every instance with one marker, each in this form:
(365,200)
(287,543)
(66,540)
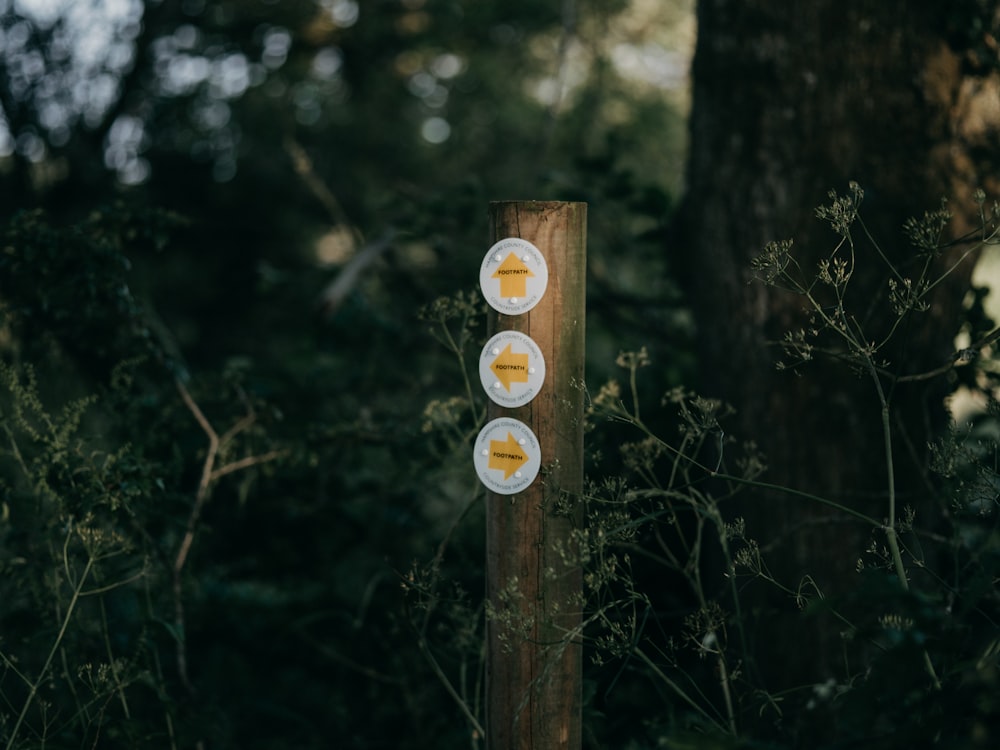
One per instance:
(791,100)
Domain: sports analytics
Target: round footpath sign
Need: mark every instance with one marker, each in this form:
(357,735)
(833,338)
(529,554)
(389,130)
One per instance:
(513,276)
(511,369)
(507,456)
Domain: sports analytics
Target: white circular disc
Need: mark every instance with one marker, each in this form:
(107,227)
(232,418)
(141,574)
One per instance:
(507,456)
(513,276)
(511,369)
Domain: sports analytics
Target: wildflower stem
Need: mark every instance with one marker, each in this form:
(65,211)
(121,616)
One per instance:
(456,349)
(727,696)
(33,688)
(890,527)
(460,702)
(644,658)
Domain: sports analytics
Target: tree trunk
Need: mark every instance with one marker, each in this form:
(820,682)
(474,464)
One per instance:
(791,100)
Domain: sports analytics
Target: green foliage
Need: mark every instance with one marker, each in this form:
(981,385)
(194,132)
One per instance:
(670,574)
(233,514)
(74,576)
(72,283)
(168,536)
(917,652)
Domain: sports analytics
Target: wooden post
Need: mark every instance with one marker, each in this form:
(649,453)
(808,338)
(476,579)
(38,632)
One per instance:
(533,662)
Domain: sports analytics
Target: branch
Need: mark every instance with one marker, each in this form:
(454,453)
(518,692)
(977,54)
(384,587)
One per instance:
(209,474)
(957,359)
(201,496)
(245,463)
(304,168)
(337,291)
(333,296)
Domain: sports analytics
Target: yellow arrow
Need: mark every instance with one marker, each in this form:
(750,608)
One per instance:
(506,456)
(513,275)
(510,367)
